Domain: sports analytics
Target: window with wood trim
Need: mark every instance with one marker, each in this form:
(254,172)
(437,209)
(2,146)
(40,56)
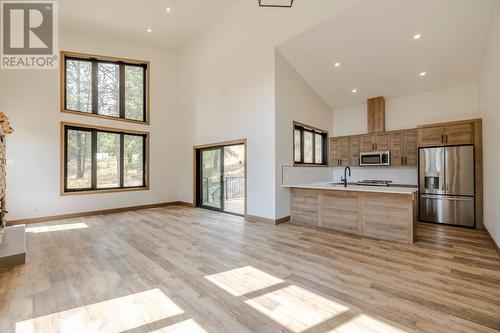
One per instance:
(105,87)
(310,145)
(97,159)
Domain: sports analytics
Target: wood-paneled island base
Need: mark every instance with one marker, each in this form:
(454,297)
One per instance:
(387,216)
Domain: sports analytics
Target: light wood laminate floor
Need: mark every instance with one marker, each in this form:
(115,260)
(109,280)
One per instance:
(180,269)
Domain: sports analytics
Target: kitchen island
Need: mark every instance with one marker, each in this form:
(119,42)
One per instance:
(387,213)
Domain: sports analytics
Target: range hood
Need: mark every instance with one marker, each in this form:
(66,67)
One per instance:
(376,114)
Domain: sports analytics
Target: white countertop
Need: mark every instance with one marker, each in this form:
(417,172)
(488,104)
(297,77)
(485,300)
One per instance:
(357,188)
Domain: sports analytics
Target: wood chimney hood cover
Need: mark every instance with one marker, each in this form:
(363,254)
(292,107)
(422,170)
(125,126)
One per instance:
(376,114)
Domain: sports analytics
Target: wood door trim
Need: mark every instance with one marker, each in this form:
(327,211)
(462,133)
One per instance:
(218,145)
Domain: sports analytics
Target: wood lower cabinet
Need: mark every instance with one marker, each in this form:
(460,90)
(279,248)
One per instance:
(305,205)
(339,211)
(385,216)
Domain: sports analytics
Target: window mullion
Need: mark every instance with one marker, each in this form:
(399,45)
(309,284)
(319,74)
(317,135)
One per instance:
(65,158)
(144,159)
(94,159)
(95,87)
(301,145)
(314,147)
(122,91)
(122,159)
(145,88)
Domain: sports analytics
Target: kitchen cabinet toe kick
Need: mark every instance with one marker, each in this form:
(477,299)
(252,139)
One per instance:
(384,216)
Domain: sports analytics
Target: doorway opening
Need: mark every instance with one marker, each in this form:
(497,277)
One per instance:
(220,177)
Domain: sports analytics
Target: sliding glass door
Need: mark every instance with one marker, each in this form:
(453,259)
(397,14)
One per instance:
(221,178)
(212,178)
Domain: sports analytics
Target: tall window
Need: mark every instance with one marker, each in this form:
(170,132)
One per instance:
(103,159)
(105,87)
(310,145)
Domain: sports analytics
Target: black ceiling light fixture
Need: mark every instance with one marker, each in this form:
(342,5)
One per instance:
(276,3)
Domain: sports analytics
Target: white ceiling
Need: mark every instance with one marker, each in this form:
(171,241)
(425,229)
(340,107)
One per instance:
(374,43)
(131,18)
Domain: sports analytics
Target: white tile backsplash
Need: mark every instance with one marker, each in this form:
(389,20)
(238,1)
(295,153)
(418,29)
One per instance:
(304,175)
(403,176)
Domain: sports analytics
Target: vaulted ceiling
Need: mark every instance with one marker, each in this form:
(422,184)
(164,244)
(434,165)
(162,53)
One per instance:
(377,54)
(131,19)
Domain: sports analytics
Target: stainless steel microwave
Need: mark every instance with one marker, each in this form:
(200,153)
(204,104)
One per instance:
(375,158)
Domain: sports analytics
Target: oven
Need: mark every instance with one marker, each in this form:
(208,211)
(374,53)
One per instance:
(375,158)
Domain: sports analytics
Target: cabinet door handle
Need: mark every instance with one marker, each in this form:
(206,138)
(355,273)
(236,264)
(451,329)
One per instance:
(402,160)
(446,138)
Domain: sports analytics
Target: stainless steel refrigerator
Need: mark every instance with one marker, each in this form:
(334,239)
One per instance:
(446,183)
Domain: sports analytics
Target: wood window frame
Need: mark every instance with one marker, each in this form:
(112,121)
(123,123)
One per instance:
(64,55)
(94,190)
(314,130)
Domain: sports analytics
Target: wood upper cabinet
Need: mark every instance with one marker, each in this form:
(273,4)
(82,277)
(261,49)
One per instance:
(397,148)
(355,150)
(381,142)
(334,152)
(410,147)
(446,135)
(461,134)
(345,152)
(430,136)
(367,143)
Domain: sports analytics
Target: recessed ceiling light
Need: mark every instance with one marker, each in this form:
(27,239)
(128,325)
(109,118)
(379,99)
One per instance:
(423,73)
(168,9)
(337,64)
(417,36)
(149,30)
(354,91)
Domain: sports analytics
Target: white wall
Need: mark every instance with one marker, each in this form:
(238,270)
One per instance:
(490,106)
(31,99)
(228,90)
(453,103)
(295,100)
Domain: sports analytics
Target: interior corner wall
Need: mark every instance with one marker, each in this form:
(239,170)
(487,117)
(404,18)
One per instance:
(449,104)
(490,106)
(228,89)
(31,99)
(295,101)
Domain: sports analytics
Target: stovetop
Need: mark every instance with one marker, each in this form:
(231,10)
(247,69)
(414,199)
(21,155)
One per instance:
(375,182)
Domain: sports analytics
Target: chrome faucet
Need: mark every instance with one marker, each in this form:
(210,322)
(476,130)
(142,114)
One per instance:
(345,175)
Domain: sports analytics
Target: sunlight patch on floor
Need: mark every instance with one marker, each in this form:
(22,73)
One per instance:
(59,227)
(296,308)
(187,326)
(243,280)
(113,315)
(366,324)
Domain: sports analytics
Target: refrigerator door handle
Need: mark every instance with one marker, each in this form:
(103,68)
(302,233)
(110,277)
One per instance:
(433,197)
